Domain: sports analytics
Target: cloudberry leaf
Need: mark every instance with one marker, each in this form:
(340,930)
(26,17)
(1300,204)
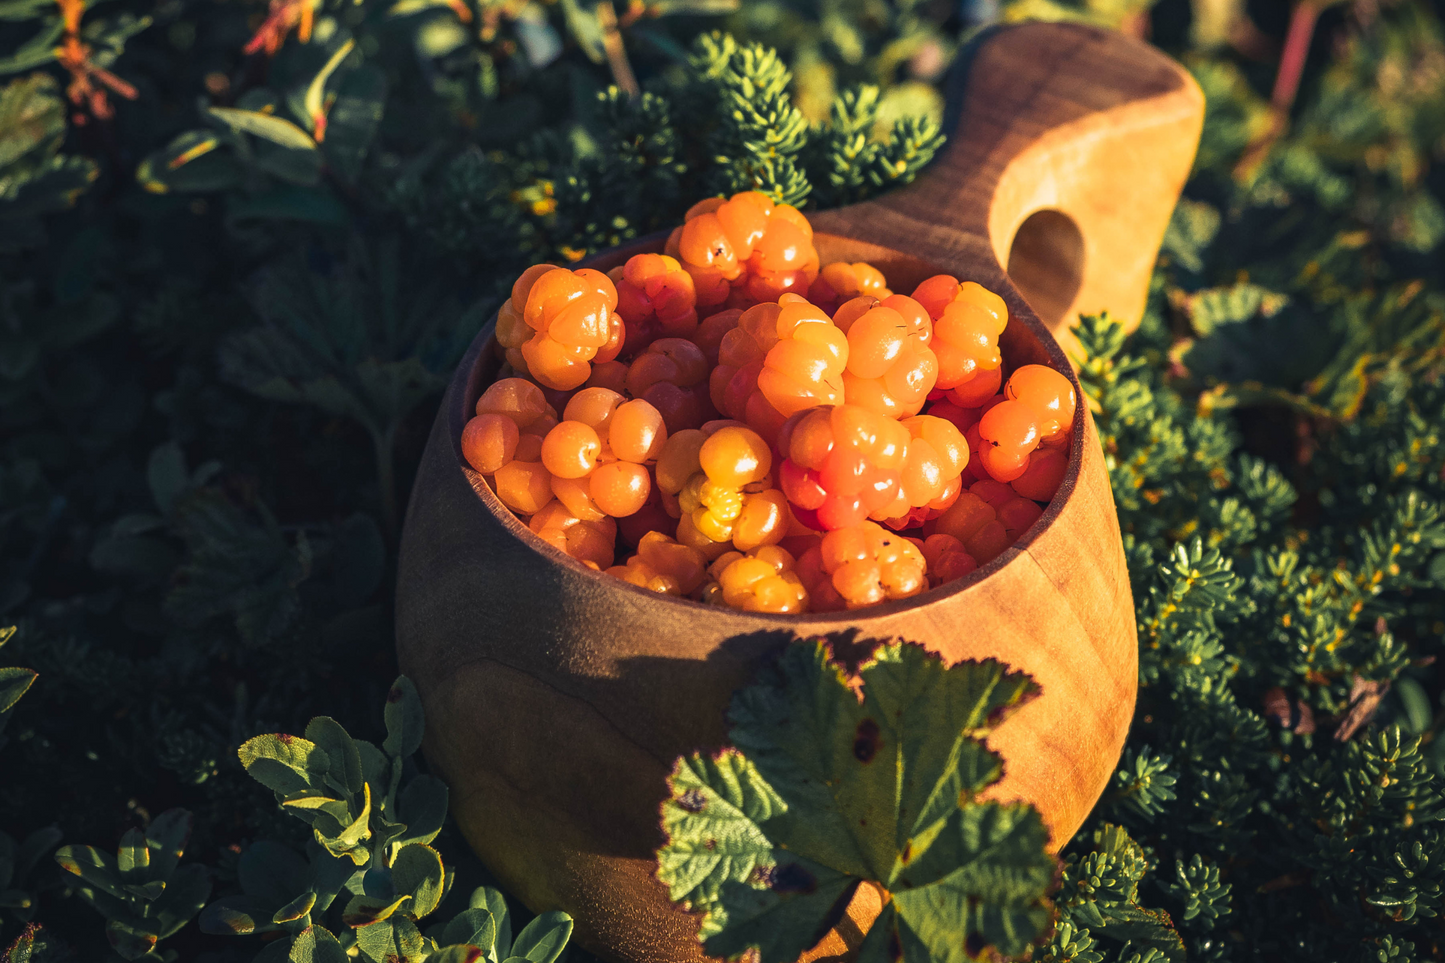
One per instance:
(830,787)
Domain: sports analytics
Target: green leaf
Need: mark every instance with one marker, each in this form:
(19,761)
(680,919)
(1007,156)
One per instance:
(353,119)
(193,162)
(186,893)
(868,782)
(344,773)
(783,910)
(543,939)
(93,866)
(712,822)
(315,944)
(363,912)
(166,837)
(492,900)
(284,764)
(347,841)
(405,721)
(268,127)
(316,90)
(296,909)
(423,808)
(475,927)
(418,872)
(14,683)
(129,942)
(235,916)
(458,954)
(826,790)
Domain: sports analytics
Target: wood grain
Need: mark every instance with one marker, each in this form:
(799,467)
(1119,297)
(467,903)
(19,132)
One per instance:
(557,699)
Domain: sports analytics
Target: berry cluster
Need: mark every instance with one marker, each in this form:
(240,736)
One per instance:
(758,433)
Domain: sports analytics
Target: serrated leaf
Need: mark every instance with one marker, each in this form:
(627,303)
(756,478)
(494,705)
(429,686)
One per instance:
(315,944)
(712,822)
(166,475)
(405,721)
(14,683)
(284,764)
(880,789)
(783,911)
(865,782)
(418,872)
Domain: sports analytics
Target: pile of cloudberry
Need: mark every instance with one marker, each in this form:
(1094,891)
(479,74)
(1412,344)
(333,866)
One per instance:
(762,432)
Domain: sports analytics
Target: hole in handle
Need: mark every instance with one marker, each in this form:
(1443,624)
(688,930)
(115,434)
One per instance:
(1046,263)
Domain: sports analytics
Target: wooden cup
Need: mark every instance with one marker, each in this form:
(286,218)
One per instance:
(557,698)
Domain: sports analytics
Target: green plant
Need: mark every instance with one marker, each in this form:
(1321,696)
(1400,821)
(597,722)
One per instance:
(823,793)
(143,892)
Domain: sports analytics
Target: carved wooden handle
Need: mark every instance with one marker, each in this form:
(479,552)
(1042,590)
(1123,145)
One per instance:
(1068,148)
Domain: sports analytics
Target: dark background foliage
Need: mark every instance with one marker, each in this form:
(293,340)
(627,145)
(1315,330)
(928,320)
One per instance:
(237,268)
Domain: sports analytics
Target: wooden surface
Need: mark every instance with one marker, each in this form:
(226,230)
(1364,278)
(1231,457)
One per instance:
(1068,148)
(557,699)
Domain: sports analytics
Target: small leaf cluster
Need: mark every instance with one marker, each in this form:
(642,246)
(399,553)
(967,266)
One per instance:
(142,891)
(369,862)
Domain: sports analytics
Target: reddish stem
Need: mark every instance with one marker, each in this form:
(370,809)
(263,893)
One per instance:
(1296,50)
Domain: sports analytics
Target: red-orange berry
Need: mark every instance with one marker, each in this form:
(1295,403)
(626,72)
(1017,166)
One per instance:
(1044,474)
(1048,392)
(489,442)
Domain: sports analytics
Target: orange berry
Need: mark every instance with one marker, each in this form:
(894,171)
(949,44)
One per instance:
(611,375)
(936,293)
(489,442)
(712,330)
(995,493)
(977,390)
(576,495)
(517,398)
(591,543)
(637,433)
(735,457)
(1048,392)
(765,520)
(965,335)
(1043,476)
(891,369)
(804,367)
(523,486)
(571,450)
(594,407)
(966,518)
(761,581)
(620,488)
(868,564)
(947,559)
(1017,515)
